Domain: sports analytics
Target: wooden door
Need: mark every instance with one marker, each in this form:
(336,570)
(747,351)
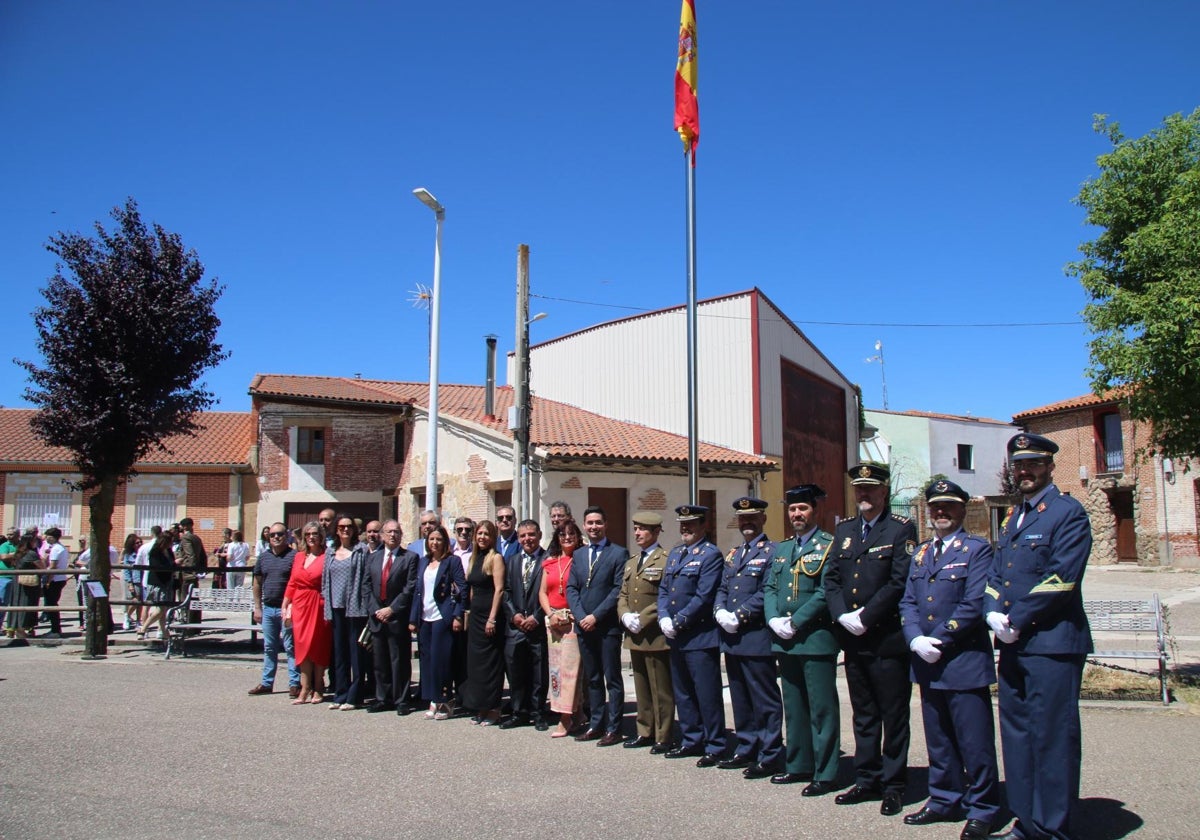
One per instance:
(615,502)
(1121,503)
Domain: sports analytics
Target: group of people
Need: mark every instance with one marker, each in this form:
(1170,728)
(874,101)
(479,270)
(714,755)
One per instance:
(492,603)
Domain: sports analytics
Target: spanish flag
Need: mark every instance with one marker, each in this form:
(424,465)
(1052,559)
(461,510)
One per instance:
(687,109)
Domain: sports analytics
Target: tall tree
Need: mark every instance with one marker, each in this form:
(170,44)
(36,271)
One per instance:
(127,330)
(1142,273)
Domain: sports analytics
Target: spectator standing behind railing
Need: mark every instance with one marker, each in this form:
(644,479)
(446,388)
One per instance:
(18,625)
(8,561)
(159,589)
(57,558)
(193,560)
(143,560)
(132,578)
(236,555)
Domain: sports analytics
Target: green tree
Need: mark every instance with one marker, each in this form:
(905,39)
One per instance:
(1142,274)
(127,330)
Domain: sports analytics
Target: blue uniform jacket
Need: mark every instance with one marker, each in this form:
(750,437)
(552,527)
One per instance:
(594,590)
(688,592)
(741,592)
(1037,575)
(944,600)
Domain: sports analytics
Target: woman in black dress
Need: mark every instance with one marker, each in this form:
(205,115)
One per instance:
(17,625)
(485,636)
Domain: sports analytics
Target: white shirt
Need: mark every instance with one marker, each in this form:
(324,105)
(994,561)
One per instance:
(236,553)
(59,558)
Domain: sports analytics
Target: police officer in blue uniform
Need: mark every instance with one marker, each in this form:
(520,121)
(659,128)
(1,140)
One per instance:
(685,614)
(868,567)
(942,616)
(1034,604)
(746,643)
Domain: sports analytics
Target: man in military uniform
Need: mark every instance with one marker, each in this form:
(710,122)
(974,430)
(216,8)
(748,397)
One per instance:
(942,615)
(746,642)
(1034,603)
(868,567)
(795,610)
(685,614)
(638,607)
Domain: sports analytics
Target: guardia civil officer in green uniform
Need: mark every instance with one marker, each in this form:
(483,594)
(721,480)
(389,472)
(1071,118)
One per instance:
(796,611)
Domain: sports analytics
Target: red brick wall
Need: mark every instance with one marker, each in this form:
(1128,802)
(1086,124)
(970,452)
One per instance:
(273,452)
(208,498)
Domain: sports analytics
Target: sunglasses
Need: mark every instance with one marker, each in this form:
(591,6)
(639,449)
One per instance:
(280,534)
(345,527)
(505,518)
(462,530)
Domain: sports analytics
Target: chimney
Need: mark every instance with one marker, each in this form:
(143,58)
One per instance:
(489,391)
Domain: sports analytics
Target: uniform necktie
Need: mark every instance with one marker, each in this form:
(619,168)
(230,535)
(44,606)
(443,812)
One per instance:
(866,529)
(1025,508)
(937,549)
(387,570)
(641,561)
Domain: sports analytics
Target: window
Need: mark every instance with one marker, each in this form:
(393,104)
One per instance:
(151,510)
(310,446)
(966,457)
(1110,449)
(42,510)
(399,442)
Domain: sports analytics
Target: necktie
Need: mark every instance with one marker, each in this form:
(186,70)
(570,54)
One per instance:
(526,568)
(387,570)
(937,549)
(1025,508)
(595,550)
(866,528)
(641,561)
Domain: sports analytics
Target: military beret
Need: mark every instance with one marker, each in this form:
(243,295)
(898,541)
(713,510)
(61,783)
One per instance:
(687,513)
(809,493)
(647,518)
(749,505)
(946,491)
(1025,445)
(869,473)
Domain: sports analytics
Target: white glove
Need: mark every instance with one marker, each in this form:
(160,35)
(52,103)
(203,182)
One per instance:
(635,623)
(927,647)
(668,627)
(727,620)
(852,621)
(1009,635)
(1003,629)
(782,627)
(630,619)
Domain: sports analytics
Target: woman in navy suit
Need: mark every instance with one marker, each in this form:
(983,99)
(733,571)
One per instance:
(437,612)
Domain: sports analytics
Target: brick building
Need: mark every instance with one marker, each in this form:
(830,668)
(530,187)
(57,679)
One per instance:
(1144,510)
(206,477)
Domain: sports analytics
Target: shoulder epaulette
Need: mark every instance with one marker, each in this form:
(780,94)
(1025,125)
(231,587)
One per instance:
(903,520)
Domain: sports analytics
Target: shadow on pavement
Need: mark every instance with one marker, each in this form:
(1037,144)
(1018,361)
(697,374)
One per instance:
(1105,819)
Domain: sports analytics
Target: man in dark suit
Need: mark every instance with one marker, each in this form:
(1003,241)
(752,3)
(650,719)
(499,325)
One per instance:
(942,615)
(868,567)
(388,582)
(593,586)
(746,643)
(525,630)
(685,614)
(1034,603)
(506,532)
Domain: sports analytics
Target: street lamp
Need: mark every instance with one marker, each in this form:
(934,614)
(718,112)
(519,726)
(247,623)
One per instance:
(882,370)
(425,197)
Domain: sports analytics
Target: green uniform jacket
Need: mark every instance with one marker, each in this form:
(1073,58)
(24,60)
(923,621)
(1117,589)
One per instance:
(790,592)
(639,594)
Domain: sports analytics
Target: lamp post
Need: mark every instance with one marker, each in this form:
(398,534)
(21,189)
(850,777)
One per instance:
(882,370)
(431,495)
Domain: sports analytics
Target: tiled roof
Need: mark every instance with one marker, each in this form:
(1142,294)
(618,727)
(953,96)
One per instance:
(1069,405)
(935,415)
(223,439)
(559,429)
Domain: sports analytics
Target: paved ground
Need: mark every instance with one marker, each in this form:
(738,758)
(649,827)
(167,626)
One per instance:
(138,747)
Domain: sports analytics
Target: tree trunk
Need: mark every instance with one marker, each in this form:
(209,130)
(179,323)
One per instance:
(99,614)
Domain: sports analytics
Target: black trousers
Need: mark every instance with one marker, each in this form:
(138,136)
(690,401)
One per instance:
(50,598)
(601,655)
(391,648)
(528,674)
(880,693)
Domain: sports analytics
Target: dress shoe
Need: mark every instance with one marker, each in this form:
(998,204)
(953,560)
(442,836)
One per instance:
(610,739)
(540,724)
(975,830)
(927,816)
(261,689)
(639,741)
(1011,834)
(789,778)
(819,788)
(404,709)
(376,708)
(589,735)
(758,771)
(735,763)
(660,748)
(857,794)
(891,805)
(707,760)
(515,721)
(685,752)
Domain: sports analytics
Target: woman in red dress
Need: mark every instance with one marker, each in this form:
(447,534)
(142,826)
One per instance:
(304,609)
(563,648)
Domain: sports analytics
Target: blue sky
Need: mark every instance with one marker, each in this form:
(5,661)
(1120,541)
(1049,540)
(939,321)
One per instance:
(870,166)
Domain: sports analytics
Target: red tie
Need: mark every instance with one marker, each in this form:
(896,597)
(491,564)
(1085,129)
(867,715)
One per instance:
(387,570)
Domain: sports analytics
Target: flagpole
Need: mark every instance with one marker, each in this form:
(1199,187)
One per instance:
(692,375)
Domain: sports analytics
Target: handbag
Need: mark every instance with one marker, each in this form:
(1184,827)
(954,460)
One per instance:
(28,580)
(365,639)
